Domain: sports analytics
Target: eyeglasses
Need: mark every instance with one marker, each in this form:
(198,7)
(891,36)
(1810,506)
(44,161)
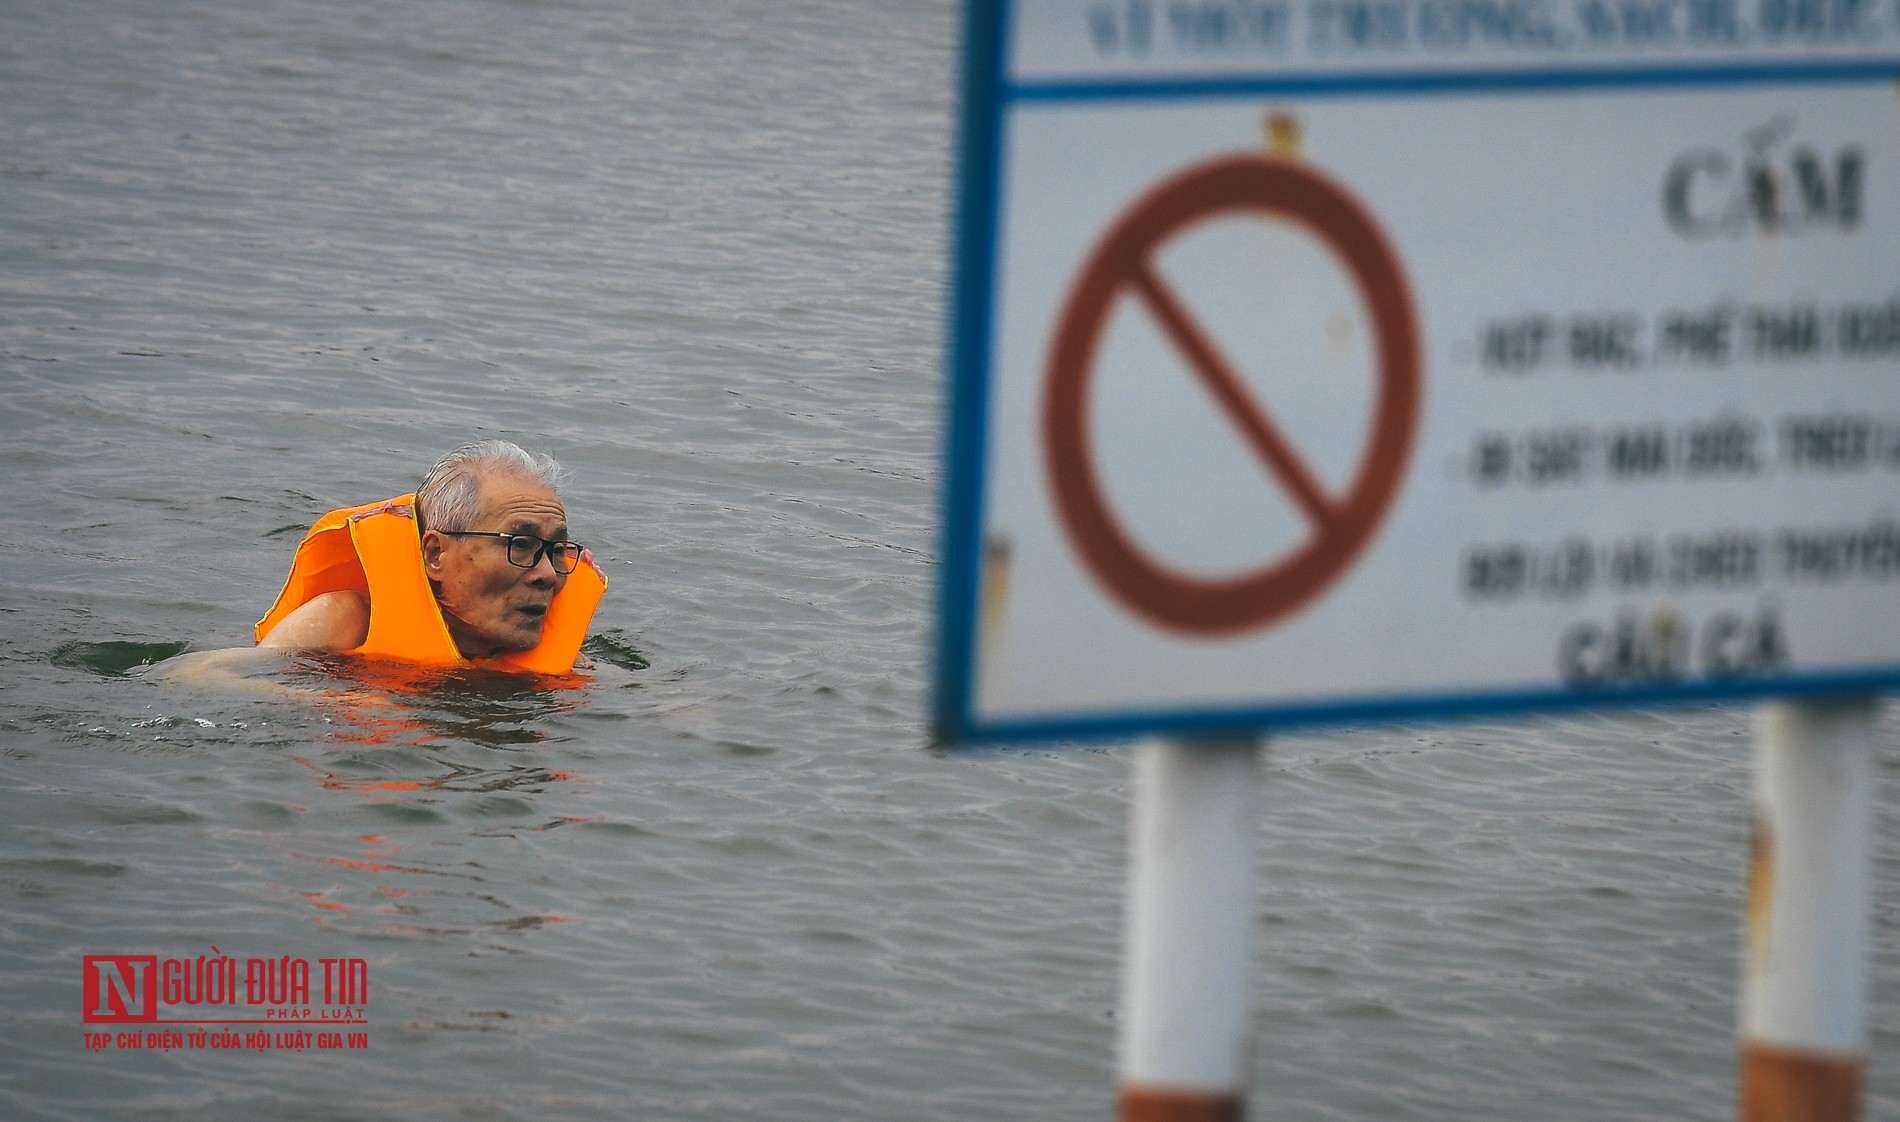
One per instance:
(525,550)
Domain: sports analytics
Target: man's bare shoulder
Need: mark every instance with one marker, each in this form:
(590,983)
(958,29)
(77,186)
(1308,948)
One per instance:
(334,621)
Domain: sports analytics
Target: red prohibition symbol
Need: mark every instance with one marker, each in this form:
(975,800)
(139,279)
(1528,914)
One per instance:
(1341,526)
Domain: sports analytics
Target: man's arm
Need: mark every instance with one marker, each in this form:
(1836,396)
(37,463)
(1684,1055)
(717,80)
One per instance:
(334,621)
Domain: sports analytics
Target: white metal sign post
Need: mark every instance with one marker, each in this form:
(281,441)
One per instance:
(1804,959)
(1190,917)
(1336,360)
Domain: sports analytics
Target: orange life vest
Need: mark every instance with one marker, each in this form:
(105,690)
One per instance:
(377,548)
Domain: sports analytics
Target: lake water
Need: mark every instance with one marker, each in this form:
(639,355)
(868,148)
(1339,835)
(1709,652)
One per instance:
(262,259)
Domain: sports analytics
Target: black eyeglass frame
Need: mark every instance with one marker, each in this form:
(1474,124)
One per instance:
(555,551)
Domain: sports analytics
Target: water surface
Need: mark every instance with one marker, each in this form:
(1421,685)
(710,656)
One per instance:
(260,260)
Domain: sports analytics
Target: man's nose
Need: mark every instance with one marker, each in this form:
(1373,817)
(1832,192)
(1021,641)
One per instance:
(543,574)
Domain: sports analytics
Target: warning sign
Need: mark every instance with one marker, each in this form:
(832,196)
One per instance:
(1124,263)
(1311,369)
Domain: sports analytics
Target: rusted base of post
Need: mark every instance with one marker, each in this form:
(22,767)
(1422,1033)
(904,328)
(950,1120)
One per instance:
(1155,1104)
(1782,1085)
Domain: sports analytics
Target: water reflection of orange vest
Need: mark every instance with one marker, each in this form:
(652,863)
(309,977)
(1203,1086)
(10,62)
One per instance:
(376,548)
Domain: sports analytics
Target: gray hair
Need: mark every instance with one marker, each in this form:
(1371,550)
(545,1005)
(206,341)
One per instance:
(450,497)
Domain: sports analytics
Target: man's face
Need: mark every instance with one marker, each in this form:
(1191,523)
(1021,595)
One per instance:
(492,607)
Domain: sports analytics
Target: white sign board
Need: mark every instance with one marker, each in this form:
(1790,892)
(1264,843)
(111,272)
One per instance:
(1347,359)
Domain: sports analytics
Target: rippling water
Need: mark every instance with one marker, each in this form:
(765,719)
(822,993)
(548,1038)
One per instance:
(258,260)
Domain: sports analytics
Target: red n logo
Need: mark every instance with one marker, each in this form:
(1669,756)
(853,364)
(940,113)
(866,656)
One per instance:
(121,988)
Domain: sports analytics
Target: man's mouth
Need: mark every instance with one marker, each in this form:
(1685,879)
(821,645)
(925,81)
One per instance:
(533,611)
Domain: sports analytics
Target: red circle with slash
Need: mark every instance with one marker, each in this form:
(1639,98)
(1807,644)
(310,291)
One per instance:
(1341,525)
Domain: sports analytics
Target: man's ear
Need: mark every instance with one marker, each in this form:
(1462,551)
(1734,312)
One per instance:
(432,546)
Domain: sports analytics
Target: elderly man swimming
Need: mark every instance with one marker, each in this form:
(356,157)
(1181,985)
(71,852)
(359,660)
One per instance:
(474,569)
